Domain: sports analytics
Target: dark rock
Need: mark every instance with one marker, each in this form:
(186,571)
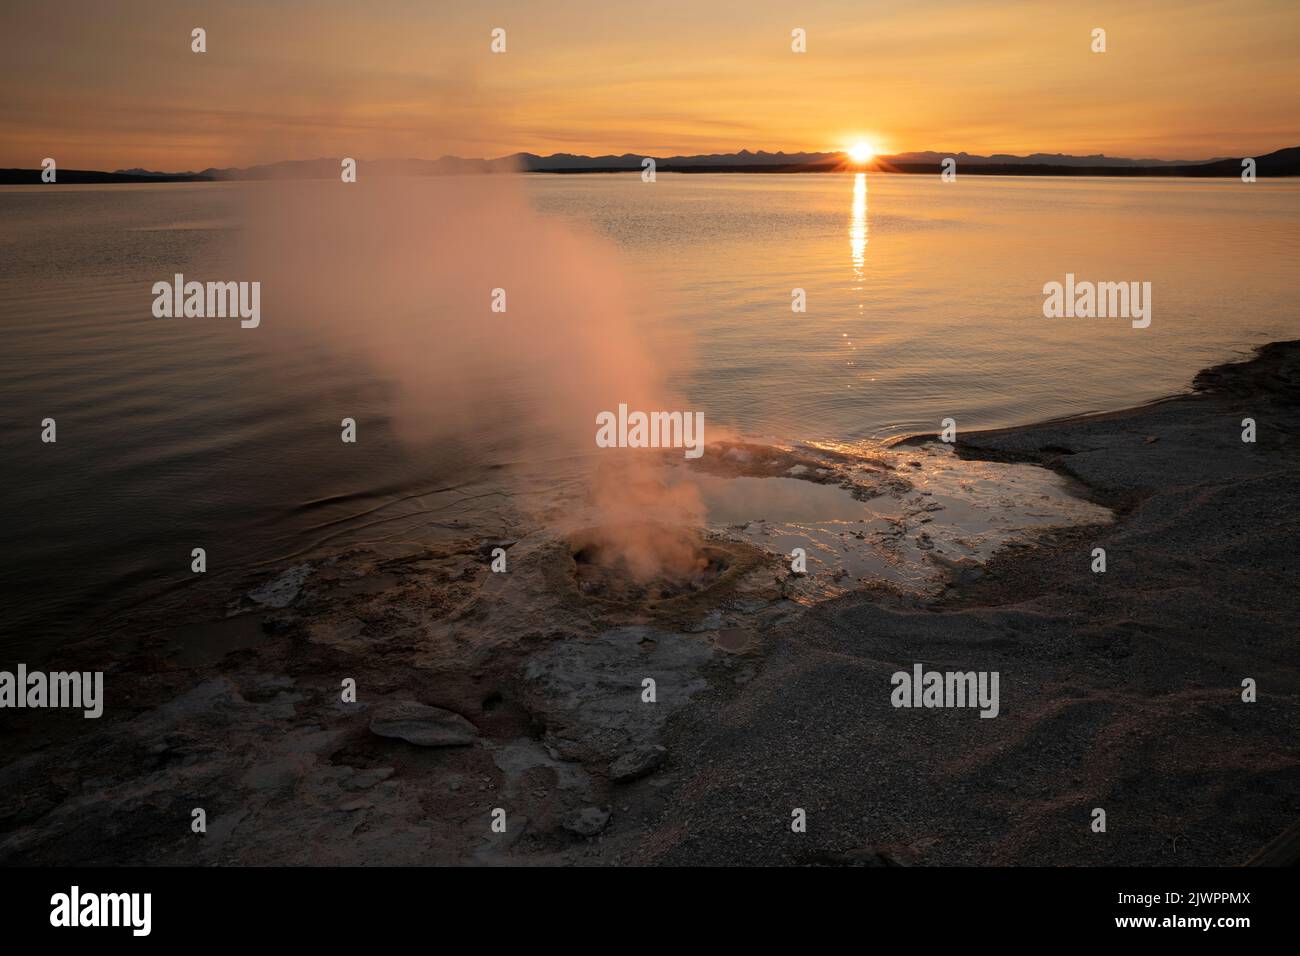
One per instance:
(588,821)
(422,725)
(636,763)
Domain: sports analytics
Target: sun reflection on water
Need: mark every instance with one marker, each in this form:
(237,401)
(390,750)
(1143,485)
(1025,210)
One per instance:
(858,226)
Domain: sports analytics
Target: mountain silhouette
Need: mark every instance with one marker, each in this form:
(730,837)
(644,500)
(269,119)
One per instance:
(1282,162)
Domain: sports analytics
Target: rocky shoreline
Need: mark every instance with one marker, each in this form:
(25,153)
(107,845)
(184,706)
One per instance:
(526,692)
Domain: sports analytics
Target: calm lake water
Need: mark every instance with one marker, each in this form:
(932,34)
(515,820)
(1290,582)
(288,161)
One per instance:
(923,302)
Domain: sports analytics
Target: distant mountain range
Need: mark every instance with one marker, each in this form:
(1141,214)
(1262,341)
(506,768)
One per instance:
(563,161)
(1283,162)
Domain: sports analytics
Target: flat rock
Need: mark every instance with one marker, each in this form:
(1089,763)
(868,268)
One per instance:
(422,725)
(588,821)
(636,763)
(587,691)
(283,590)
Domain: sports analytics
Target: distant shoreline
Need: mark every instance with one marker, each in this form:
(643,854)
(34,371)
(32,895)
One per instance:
(1280,164)
(1211,170)
(83,177)
(91,178)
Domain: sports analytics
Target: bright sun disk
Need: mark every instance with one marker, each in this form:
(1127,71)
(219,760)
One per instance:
(861,152)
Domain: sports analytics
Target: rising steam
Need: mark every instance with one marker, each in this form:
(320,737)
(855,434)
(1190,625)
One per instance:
(400,273)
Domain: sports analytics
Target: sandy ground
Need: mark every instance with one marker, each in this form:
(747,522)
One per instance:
(525,692)
(1119,690)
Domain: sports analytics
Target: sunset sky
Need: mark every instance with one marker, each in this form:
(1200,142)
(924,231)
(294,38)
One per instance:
(108,86)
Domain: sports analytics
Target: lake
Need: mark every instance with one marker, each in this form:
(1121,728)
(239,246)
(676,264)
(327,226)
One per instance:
(923,301)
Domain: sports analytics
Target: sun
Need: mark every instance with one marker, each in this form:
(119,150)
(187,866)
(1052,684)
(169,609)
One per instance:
(861,152)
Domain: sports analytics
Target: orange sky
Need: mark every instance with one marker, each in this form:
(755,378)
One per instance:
(107,86)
